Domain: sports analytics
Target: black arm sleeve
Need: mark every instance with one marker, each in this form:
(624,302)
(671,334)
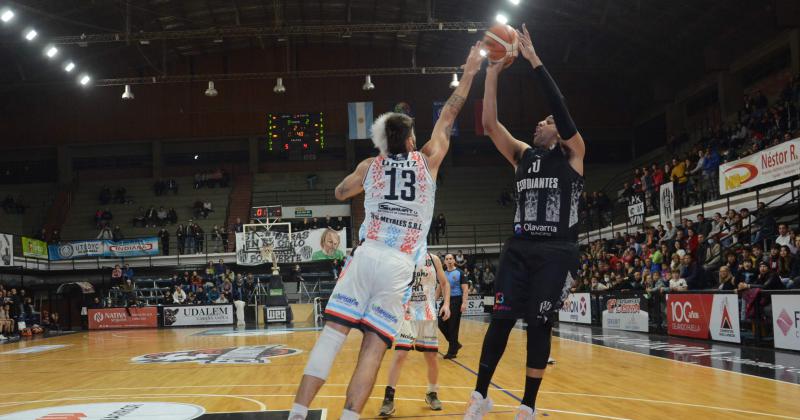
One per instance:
(564,124)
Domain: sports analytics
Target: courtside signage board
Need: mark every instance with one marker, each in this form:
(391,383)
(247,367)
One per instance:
(181,316)
(474,305)
(704,316)
(786,321)
(113,410)
(626,314)
(103,319)
(576,309)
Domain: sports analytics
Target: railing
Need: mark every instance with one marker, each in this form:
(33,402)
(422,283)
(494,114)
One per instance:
(297,197)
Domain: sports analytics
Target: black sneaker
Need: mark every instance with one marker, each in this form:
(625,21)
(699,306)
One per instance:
(387,409)
(433,401)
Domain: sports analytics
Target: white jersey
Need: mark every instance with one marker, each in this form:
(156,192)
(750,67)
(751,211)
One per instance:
(422,304)
(399,195)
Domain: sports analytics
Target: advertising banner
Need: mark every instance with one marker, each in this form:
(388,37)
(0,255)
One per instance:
(104,248)
(474,305)
(576,309)
(180,316)
(689,315)
(626,313)
(6,250)
(320,212)
(706,316)
(786,321)
(34,248)
(773,164)
(304,246)
(666,204)
(724,322)
(102,319)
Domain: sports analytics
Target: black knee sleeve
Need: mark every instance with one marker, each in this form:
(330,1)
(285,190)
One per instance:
(538,344)
(494,345)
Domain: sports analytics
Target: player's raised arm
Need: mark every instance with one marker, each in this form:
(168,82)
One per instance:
(570,138)
(353,184)
(436,148)
(508,146)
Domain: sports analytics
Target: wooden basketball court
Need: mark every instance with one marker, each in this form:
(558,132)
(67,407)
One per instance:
(260,371)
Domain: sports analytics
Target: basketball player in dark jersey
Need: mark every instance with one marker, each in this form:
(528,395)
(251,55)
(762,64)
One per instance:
(538,261)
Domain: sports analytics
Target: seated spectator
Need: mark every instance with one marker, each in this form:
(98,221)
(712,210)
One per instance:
(127,271)
(784,236)
(172,185)
(197,282)
(210,271)
(788,267)
(597,285)
(105,233)
(172,216)
(116,275)
(747,273)
(191,299)
(221,270)
(97,303)
(120,195)
(726,279)
(151,217)
(178,295)
(116,234)
(161,216)
(676,282)
(212,295)
(461,260)
(140,220)
(713,255)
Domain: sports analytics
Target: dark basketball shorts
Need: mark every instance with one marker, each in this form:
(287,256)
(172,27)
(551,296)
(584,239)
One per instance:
(533,279)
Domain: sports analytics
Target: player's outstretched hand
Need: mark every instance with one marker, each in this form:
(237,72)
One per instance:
(474,60)
(444,313)
(526,45)
(494,68)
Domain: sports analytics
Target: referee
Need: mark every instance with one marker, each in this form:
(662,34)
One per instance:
(538,261)
(459,293)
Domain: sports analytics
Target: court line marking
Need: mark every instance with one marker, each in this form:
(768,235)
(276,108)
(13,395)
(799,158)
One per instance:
(405,386)
(261,406)
(677,361)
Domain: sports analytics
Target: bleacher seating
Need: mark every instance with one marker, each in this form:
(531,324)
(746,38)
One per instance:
(80,221)
(293,189)
(36,197)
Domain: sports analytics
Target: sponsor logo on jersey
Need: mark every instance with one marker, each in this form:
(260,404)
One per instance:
(397,209)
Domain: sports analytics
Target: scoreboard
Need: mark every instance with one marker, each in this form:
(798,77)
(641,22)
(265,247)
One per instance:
(304,132)
(266,212)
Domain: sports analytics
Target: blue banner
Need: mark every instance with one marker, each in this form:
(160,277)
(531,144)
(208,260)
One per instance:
(359,115)
(437,111)
(104,248)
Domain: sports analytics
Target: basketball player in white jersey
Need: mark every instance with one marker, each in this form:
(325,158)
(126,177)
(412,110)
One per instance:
(418,330)
(399,188)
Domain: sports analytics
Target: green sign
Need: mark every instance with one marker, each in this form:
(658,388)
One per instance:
(301,212)
(34,248)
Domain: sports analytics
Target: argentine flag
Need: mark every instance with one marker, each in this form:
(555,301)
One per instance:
(360,116)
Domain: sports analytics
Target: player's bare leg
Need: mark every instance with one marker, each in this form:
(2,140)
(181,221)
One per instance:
(387,408)
(369,361)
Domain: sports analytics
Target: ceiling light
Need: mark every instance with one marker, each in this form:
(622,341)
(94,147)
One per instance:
(454,82)
(127,94)
(501,18)
(514,2)
(211,92)
(482,52)
(279,88)
(85,79)
(51,51)
(31,35)
(6,16)
(368,85)
(69,66)
(196,157)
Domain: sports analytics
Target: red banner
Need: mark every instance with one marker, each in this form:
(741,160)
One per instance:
(689,315)
(101,319)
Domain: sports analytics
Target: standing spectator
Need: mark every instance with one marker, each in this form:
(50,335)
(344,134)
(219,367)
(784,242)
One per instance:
(679,178)
(55,237)
(180,237)
(127,271)
(151,217)
(172,216)
(461,260)
(163,236)
(161,216)
(238,227)
(199,238)
(216,238)
(172,185)
(441,225)
(488,281)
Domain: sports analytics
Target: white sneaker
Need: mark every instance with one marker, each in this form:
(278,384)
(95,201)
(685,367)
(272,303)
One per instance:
(477,406)
(524,413)
(551,361)
(2,337)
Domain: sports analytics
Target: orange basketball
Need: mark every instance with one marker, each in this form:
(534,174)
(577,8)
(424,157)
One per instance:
(501,44)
